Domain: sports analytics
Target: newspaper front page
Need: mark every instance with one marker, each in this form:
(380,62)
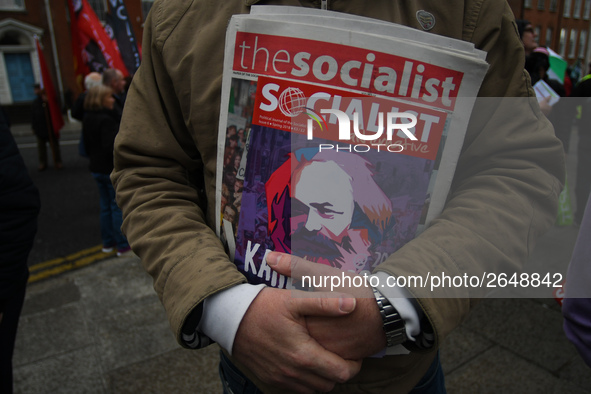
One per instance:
(336,145)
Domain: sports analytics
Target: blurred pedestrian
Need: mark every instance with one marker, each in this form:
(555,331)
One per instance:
(19,208)
(100,126)
(43,129)
(576,306)
(114,79)
(528,35)
(92,79)
(582,97)
(562,113)
(575,71)
(537,65)
(529,40)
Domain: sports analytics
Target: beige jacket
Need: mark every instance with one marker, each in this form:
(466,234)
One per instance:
(504,193)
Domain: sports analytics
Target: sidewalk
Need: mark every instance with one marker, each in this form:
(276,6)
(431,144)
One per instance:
(102,329)
(24,133)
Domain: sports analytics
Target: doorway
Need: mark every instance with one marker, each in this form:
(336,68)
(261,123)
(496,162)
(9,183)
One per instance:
(20,76)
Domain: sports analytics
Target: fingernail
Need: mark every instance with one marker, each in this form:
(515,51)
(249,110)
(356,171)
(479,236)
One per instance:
(272,259)
(347,304)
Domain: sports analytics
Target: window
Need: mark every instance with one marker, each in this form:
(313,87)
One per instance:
(562,43)
(553,5)
(587,9)
(12,5)
(537,30)
(582,44)
(541,4)
(566,9)
(572,44)
(146,7)
(99,7)
(548,41)
(527,3)
(577,10)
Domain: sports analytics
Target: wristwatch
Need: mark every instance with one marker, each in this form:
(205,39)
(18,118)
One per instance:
(394,325)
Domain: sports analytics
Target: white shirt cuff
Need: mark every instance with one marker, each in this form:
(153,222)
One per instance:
(223,312)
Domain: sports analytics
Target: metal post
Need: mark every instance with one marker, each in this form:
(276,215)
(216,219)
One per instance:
(56,62)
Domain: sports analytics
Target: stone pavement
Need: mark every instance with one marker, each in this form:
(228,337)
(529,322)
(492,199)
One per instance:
(24,133)
(102,329)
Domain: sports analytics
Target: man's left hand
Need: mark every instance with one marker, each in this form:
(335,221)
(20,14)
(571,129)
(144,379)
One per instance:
(355,336)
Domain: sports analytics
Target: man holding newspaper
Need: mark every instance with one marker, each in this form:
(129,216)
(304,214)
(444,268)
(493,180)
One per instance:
(356,339)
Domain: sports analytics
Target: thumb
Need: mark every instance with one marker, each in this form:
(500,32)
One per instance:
(321,304)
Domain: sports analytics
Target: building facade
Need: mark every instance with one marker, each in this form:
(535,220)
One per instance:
(562,25)
(20,22)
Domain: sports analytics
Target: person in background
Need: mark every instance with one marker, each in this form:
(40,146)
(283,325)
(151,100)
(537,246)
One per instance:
(561,114)
(41,124)
(537,65)
(91,80)
(576,306)
(581,96)
(100,126)
(19,209)
(568,84)
(528,35)
(529,40)
(114,79)
(575,71)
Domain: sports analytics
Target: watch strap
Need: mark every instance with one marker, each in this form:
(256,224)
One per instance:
(394,325)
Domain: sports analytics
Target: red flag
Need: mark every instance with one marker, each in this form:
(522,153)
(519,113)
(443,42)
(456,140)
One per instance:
(80,66)
(95,48)
(57,120)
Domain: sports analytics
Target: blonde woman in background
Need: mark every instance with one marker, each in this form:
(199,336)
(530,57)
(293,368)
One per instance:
(100,126)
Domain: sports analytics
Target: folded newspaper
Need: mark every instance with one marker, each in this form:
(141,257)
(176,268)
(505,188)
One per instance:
(544,91)
(339,136)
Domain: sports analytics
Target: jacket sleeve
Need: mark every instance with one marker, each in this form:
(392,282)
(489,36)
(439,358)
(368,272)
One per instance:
(159,174)
(19,208)
(505,190)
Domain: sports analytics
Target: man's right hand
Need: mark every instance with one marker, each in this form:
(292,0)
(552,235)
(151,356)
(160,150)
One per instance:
(273,341)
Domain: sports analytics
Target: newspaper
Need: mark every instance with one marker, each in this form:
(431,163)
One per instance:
(544,91)
(369,25)
(336,144)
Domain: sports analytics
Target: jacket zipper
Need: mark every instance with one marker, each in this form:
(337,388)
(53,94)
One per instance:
(324,5)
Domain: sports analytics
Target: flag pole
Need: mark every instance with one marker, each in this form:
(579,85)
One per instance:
(54,51)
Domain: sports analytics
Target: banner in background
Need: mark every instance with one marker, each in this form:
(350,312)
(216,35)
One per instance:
(57,120)
(558,66)
(80,66)
(118,21)
(95,49)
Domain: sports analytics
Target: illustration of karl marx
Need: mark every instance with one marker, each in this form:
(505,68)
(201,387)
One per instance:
(326,206)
